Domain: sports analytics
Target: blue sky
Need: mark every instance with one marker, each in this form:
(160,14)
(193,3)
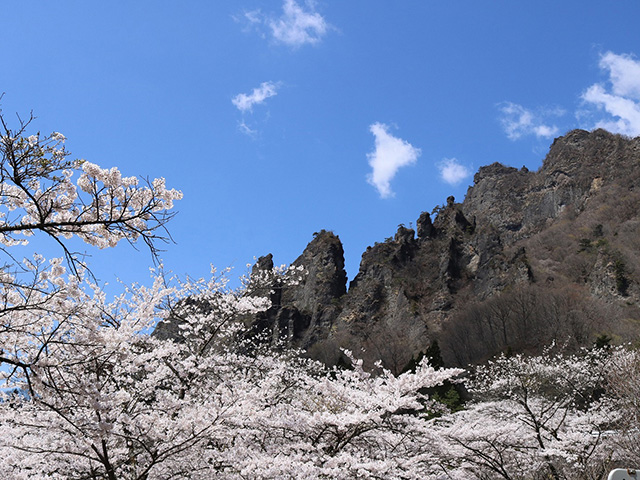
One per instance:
(280,118)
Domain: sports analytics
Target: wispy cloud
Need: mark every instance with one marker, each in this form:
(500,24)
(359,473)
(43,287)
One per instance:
(518,121)
(298,24)
(622,101)
(245,102)
(452,171)
(390,154)
(244,128)
(253,17)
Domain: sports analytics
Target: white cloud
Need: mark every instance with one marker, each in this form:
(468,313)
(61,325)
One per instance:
(452,171)
(246,102)
(624,74)
(390,154)
(518,121)
(298,25)
(622,103)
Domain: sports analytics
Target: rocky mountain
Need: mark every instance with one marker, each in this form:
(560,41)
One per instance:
(525,259)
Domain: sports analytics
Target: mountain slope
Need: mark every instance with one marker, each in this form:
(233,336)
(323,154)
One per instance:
(526,258)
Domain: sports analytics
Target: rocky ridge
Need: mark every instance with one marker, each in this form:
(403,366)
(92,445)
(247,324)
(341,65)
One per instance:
(558,250)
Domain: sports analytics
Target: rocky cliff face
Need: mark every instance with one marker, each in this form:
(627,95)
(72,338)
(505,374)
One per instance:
(303,314)
(526,258)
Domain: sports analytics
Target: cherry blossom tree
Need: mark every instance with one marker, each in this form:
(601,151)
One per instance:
(116,402)
(104,399)
(38,301)
(534,417)
(37,193)
(623,383)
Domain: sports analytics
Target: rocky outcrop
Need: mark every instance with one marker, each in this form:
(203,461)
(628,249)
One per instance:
(527,258)
(571,226)
(302,314)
